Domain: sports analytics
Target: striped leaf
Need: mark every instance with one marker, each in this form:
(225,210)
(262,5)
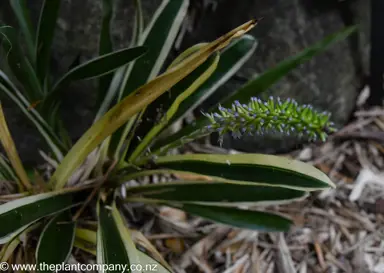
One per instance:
(8,249)
(250,169)
(100,66)
(150,116)
(22,212)
(158,37)
(253,88)
(139,24)
(21,11)
(231,60)
(56,240)
(21,66)
(57,147)
(86,241)
(6,171)
(105,45)
(213,192)
(114,244)
(134,103)
(247,219)
(168,104)
(44,37)
(113,89)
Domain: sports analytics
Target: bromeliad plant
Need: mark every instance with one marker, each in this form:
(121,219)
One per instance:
(131,138)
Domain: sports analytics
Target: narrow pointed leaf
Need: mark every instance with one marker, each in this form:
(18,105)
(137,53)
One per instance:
(22,212)
(231,60)
(214,192)
(135,102)
(158,38)
(113,89)
(44,37)
(44,129)
(264,81)
(87,239)
(56,240)
(247,219)
(9,248)
(256,86)
(6,170)
(22,14)
(11,151)
(105,45)
(250,168)
(167,105)
(135,129)
(185,135)
(20,66)
(100,66)
(114,245)
(139,24)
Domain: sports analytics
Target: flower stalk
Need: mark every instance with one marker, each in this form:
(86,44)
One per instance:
(271,117)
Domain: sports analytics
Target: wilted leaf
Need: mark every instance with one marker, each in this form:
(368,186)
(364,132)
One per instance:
(253,88)
(159,37)
(135,102)
(231,60)
(10,149)
(148,130)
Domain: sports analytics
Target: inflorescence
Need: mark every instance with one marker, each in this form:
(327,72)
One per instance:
(272,116)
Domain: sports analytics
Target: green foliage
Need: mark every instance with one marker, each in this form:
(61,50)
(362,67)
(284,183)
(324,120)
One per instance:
(60,231)
(126,142)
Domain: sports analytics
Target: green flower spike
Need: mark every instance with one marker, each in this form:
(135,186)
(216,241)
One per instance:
(273,116)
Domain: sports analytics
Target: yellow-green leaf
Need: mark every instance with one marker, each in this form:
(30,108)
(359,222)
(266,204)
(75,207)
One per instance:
(135,102)
(197,82)
(114,244)
(11,151)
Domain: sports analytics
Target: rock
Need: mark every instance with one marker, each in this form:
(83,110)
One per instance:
(330,81)
(77,35)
